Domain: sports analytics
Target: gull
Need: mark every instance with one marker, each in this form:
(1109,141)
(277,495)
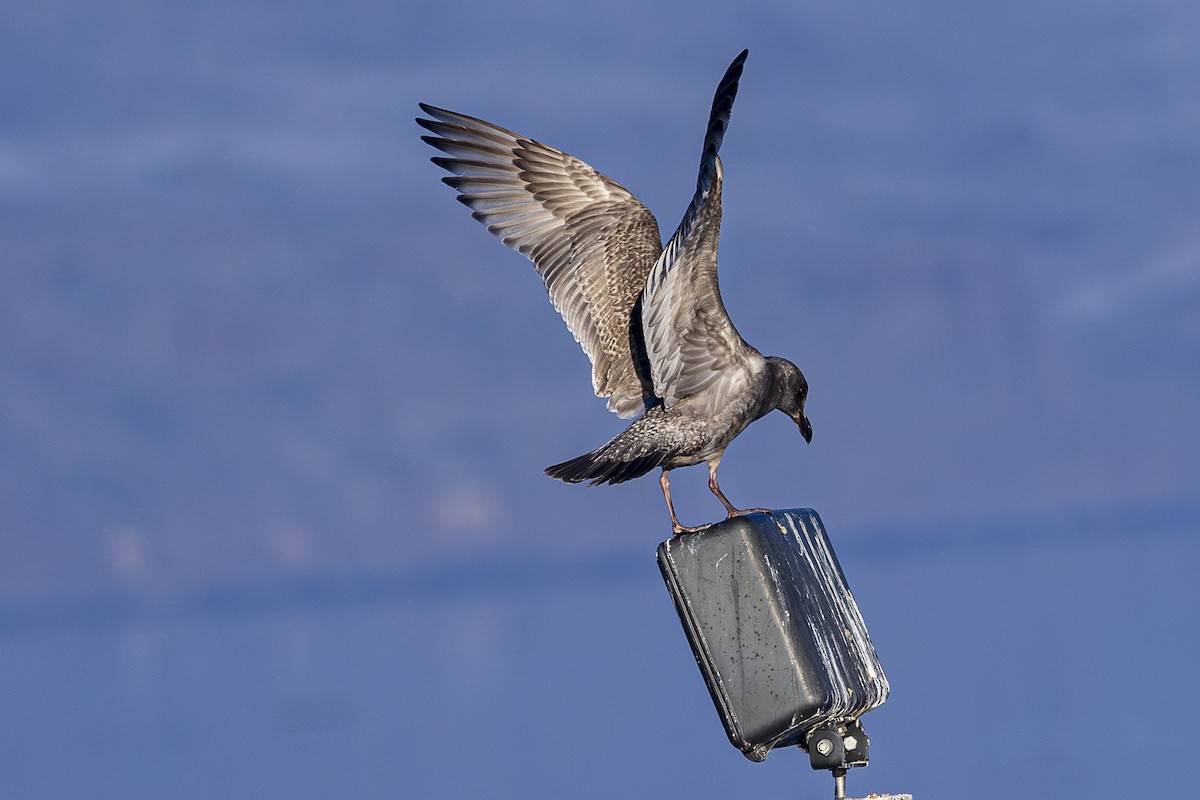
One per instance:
(650,318)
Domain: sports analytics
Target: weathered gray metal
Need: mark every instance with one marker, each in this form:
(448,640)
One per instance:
(774,628)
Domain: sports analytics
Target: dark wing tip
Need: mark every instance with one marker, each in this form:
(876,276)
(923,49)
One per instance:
(432,111)
(436,141)
(718,118)
(436,112)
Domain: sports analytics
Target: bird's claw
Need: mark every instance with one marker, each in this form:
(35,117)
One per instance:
(679,530)
(744,511)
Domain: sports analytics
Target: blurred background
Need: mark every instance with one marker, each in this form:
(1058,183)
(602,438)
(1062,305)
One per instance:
(274,409)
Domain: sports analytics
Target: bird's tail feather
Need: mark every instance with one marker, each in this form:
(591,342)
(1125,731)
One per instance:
(600,467)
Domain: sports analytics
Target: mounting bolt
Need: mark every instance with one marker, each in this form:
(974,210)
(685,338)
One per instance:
(825,748)
(851,742)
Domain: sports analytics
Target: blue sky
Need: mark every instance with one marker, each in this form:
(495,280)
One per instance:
(266,388)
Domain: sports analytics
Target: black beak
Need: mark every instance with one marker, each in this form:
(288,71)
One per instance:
(805,428)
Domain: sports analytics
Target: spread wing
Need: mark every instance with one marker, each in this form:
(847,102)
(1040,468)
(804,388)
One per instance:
(591,241)
(691,343)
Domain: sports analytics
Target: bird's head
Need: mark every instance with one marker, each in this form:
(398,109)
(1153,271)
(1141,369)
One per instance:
(792,391)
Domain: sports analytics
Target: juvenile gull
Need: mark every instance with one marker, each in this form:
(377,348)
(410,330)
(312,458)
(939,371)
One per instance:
(650,318)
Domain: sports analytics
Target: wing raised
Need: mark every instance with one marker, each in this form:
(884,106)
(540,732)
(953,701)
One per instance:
(590,240)
(691,343)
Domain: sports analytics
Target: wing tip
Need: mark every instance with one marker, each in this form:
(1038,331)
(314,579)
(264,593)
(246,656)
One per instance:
(718,120)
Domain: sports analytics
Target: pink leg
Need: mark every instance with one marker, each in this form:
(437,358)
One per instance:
(715,489)
(676,528)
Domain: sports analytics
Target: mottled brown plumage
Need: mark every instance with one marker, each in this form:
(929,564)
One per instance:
(650,318)
(591,240)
